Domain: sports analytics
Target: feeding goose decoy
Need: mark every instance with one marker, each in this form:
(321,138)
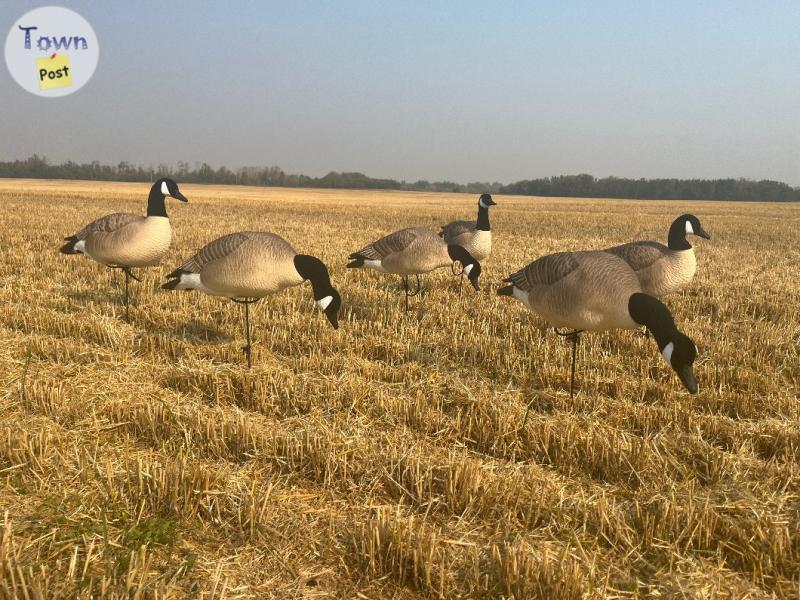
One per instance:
(664,269)
(125,241)
(249,265)
(414,251)
(597,291)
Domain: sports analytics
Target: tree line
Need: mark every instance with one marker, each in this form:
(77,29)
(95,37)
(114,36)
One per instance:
(581,186)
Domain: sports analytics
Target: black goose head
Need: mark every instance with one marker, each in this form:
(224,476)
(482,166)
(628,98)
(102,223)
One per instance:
(683,226)
(161,189)
(676,348)
(680,352)
(326,297)
(485,201)
(472,268)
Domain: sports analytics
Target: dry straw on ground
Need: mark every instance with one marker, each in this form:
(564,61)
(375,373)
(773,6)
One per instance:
(388,458)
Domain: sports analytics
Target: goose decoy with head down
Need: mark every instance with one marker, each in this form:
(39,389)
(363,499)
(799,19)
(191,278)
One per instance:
(414,251)
(664,269)
(249,265)
(125,241)
(598,291)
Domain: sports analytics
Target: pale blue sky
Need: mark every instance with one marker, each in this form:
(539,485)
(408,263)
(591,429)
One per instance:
(430,90)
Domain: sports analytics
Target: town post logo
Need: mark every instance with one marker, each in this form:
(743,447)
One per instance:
(51,51)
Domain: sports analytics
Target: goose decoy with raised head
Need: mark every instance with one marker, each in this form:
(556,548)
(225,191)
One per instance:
(125,241)
(474,236)
(249,265)
(664,269)
(414,251)
(597,291)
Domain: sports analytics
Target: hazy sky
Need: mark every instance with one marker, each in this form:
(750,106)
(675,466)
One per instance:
(429,90)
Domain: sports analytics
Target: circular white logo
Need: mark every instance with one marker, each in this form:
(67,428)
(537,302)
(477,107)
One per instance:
(51,51)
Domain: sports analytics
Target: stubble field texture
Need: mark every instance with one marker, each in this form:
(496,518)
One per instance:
(391,458)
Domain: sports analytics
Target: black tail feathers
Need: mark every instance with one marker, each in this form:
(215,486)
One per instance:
(506,291)
(69,247)
(171,284)
(357,261)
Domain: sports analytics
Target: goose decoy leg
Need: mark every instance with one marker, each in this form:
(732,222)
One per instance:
(574,337)
(460,275)
(128,275)
(407,289)
(248,347)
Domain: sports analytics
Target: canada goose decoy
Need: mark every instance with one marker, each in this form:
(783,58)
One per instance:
(597,291)
(475,236)
(124,241)
(249,265)
(414,251)
(664,269)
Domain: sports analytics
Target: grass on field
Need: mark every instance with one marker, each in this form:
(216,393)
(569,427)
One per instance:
(388,458)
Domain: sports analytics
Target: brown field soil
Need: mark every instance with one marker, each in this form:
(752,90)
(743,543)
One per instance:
(389,458)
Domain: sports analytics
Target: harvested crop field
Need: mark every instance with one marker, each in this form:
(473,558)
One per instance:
(392,457)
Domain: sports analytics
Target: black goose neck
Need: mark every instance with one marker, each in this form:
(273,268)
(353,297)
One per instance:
(677,236)
(483,218)
(156,207)
(315,271)
(653,314)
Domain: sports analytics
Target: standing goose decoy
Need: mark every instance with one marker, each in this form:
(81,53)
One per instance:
(249,265)
(414,251)
(664,269)
(475,237)
(597,291)
(124,241)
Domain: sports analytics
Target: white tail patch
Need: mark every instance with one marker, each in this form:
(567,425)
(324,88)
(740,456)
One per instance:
(468,269)
(164,188)
(323,303)
(668,349)
(80,246)
(522,296)
(375,264)
(189,281)
(689,228)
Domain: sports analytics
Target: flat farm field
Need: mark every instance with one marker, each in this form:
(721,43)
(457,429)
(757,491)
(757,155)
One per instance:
(392,458)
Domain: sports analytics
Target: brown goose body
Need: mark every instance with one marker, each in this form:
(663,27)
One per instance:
(464,233)
(412,251)
(578,290)
(123,239)
(247,264)
(474,236)
(660,270)
(664,269)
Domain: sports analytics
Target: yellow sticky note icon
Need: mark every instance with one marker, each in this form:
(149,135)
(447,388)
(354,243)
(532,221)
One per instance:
(54,71)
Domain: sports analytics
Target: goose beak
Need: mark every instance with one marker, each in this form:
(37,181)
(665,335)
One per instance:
(687,378)
(178,196)
(703,233)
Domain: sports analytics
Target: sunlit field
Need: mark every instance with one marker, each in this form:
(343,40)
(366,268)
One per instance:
(391,458)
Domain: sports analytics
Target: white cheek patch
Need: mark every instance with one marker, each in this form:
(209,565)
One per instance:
(468,269)
(164,188)
(323,303)
(689,228)
(482,204)
(667,352)
(80,246)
